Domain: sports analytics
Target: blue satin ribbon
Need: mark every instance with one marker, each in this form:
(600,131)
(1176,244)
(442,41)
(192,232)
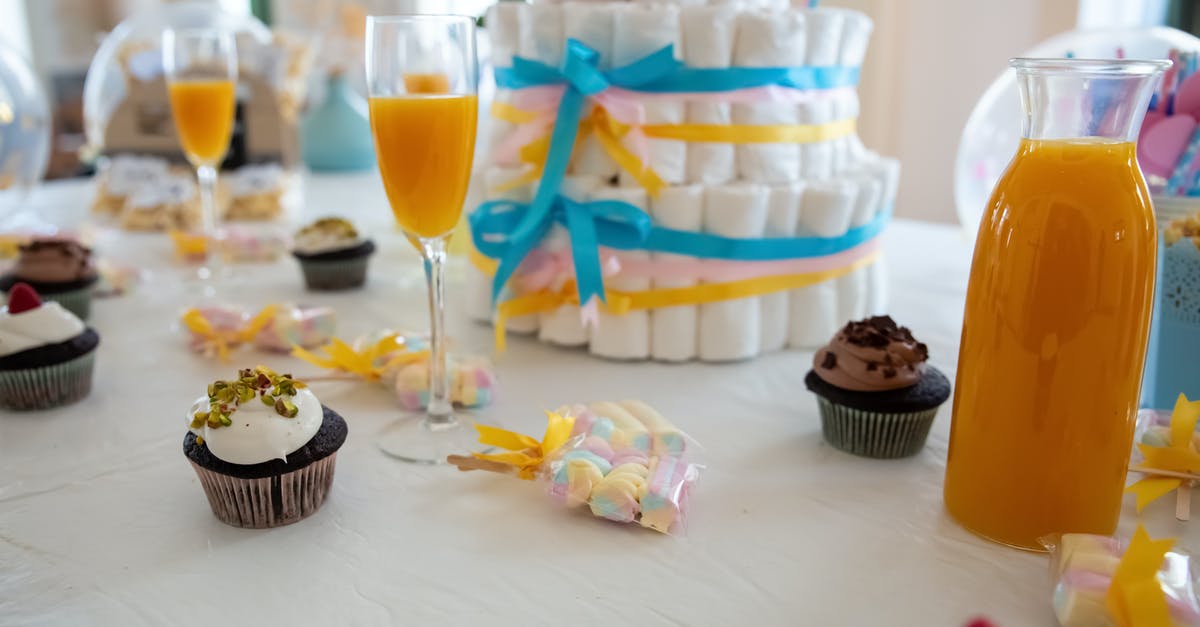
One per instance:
(620,225)
(660,72)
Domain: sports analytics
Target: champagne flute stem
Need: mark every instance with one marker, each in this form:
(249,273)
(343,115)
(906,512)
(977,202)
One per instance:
(440,410)
(207,176)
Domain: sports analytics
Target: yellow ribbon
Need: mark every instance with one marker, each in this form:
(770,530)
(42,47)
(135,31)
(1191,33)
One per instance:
(1180,456)
(752,133)
(525,454)
(369,363)
(219,341)
(1136,598)
(609,132)
(622,302)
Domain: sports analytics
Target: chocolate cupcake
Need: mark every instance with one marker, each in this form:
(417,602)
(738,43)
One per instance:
(46,353)
(332,255)
(60,269)
(877,396)
(264,449)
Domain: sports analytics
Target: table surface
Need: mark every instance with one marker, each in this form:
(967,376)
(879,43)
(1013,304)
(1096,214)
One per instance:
(102,520)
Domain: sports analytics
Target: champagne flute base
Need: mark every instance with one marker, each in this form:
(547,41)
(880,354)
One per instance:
(418,440)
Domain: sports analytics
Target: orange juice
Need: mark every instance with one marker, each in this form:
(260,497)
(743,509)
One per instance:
(416,83)
(1053,343)
(425,145)
(203,111)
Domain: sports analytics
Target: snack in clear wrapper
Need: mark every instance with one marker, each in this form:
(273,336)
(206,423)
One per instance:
(214,330)
(1100,581)
(624,461)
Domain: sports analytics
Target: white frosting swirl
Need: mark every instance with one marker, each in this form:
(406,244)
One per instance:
(259,434)
(48,324)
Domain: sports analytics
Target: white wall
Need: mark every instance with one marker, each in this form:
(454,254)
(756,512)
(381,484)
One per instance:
(930,60)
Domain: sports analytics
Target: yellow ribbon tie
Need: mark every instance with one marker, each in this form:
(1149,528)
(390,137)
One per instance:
(1136,598)
(609,132)
(753,133)
(364,363)
(220,341)
(620,303)
(525,454)
(1180,456)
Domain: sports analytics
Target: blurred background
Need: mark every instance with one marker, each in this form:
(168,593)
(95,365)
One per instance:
(928,64)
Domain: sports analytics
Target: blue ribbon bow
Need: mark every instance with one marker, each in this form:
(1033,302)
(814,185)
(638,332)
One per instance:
(612,223)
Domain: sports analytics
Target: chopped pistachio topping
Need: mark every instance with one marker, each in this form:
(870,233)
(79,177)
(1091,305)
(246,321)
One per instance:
(261,382)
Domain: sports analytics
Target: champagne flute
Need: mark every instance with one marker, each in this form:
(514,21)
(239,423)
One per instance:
(421,79)
(201,71)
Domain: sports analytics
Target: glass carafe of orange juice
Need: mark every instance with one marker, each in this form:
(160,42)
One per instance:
(1058,310)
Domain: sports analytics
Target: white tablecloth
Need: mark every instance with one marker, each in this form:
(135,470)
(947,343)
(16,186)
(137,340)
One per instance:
(102,520)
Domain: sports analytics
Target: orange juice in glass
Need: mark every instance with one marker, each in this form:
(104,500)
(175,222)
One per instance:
(201,70)
(203,111)
(425,145)
(1057,313)
(421,81)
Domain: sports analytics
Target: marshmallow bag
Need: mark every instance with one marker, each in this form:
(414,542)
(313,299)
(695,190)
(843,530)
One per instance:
(620,461)
(822,186)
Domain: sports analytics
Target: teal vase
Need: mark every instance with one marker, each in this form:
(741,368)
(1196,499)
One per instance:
(336,136)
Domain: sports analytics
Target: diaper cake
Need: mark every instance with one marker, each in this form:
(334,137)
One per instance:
(678,181)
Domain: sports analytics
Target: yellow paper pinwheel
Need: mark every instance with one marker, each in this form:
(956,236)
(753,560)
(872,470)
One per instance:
(1169,466)
(1136,598)
(219,341)
(369,363)
(525,454)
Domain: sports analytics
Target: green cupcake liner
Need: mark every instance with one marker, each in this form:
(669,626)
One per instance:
(341,274)
(47,386)
(875,434)
(78,302)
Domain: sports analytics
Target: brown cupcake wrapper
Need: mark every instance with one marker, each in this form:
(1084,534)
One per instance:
(270,501)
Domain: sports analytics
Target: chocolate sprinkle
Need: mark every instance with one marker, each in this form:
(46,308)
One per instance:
(889,373)
(830,361)
(878,332)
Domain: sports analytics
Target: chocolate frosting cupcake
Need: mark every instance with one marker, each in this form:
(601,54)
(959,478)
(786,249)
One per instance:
(872,356)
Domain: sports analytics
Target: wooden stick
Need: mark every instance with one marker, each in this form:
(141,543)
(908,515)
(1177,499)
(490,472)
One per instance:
(466,463)
(1164,473)
(1183,502)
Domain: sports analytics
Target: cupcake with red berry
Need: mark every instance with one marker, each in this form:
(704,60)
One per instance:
(60,269)
(47,354)
(264,448)
(876,394)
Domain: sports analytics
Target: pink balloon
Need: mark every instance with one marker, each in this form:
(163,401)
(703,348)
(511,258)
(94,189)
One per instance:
(1162,144)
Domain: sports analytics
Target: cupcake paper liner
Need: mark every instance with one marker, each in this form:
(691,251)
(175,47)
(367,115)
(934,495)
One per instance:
(78,302)
(875,434)
(339,274)
(270,501)
(47,386)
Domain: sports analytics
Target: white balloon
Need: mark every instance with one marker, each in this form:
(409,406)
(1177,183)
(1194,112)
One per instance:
(993,131)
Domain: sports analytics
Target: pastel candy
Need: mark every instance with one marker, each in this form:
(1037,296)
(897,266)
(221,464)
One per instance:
(666,494)
(599,446)
(603,428)
(631,431)
(307,327)
(472,383)
(582,476)
(666,438)
(603,464)
(617,496)
(630,456)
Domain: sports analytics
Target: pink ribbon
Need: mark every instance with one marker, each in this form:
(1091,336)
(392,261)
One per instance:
(544,270)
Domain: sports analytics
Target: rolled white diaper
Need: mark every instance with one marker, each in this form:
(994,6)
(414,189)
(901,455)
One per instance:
(783,209)
(542,33)
(673,333)
(625,336)
(825,211)
(504,28)
(479,285)
(768,39)
(731,329)
(708,36)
